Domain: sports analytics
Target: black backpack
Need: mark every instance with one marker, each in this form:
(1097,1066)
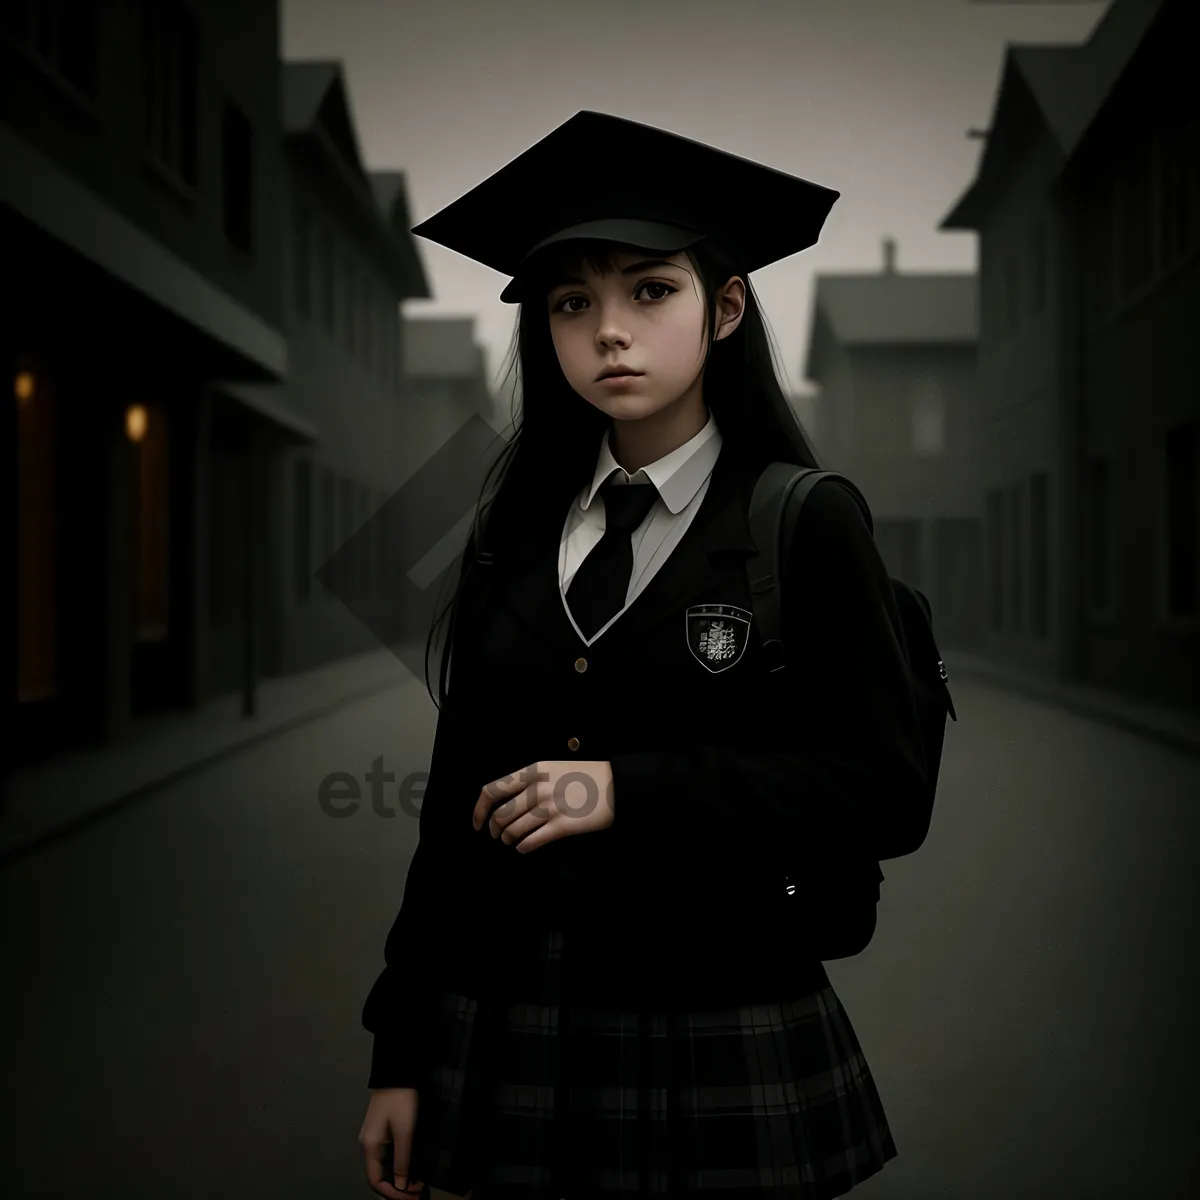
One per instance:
(838,914)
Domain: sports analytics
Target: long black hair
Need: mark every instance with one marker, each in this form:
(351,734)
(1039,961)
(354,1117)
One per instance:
(556,435)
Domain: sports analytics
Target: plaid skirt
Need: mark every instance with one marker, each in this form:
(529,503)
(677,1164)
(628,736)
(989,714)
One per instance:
(530,1101)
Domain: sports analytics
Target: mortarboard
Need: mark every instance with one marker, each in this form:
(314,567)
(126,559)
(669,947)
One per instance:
(610,178)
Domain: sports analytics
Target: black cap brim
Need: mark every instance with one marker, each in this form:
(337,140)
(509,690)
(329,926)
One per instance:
(631,231)
(567,180)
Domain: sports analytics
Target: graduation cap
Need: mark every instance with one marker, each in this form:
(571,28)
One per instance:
(605,177)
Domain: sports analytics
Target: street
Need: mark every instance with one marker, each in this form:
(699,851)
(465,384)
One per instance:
(186,976)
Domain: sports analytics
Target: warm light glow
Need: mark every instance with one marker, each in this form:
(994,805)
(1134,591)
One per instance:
(135,422)
(23,387)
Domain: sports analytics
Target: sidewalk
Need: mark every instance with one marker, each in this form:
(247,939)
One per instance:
(1175,727)
(53,799)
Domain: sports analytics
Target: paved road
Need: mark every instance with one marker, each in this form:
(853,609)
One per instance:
(186,977)
(1029,1005)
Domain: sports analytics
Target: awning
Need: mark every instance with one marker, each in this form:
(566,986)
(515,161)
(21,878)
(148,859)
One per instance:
(42,192)
(268,404)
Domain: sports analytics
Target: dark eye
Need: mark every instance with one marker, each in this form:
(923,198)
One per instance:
(658,283)
(561,306)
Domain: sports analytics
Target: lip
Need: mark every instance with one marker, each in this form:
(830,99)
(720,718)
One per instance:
(624,373)
(619,380)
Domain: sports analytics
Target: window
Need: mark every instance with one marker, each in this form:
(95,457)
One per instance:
(1041,266)
(345,577)
(237,177)
(350,316)
(302,257)
(61,34)
(152,557)
(985,285)
(845,421)
(328,528)
(384,352)
(362,554)
(899,542)
(995,293)
(327,281)
(226,543)
(1099,239)
(1183,525)
(928,415)
(380,526)
(1179,193)
(1098,520)
(995,533)
(1135,232)
(1017,561)
(169,86)
(37,545)
(358,299)
(302,531)
(393,341)
(1039,556)
(1011,299)
(368,310)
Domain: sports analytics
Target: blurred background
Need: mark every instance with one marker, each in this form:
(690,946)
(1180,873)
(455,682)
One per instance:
(251,413)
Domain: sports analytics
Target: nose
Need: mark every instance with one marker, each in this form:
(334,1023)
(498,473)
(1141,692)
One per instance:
(610,334)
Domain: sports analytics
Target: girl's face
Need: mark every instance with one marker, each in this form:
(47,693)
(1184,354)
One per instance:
(646,315)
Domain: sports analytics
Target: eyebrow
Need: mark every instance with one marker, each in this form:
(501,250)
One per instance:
(632,269)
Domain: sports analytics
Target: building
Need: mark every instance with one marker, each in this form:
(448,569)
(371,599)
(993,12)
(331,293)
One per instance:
(1087,207)
(140,177)
(350,262)
(446,369)
(803,402)
(894,355)
(207,362)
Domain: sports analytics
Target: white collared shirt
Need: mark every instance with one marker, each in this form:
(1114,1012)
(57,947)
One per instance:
(681,479)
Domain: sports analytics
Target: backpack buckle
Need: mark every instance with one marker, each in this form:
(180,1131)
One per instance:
(773,652)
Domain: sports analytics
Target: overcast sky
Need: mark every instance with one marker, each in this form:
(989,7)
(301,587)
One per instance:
(871,97)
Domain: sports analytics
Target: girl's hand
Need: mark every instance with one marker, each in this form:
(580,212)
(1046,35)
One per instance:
(386,1139)
(535,807)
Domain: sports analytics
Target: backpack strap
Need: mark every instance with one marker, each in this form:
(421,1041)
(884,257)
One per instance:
(474,553)
(775,505)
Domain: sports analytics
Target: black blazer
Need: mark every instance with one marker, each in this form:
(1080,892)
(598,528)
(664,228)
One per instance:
(724,775)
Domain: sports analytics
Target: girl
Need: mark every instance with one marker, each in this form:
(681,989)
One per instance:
(588,991)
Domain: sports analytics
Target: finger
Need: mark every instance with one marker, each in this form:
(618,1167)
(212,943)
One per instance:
(548,831)
(510,811)
(532,806)
(379,1160)
(400,1164)
(520,805)
(489,820)
(491,793)
(479,814)
(523,825)
(400,1183)
(539,837)
(391,1191)
(506,785)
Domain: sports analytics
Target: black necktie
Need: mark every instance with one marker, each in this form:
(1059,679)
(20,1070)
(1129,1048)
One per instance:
(598,588)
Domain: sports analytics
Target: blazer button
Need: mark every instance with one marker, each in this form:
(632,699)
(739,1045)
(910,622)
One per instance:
(573,743)
(581,665)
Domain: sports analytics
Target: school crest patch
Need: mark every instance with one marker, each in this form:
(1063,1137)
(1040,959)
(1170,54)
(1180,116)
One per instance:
(717,634)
